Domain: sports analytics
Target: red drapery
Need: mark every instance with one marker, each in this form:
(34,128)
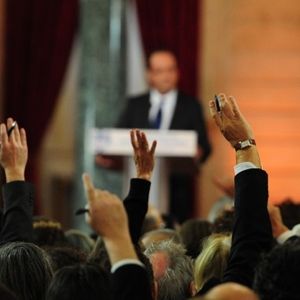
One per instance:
(174,25)
(39,37)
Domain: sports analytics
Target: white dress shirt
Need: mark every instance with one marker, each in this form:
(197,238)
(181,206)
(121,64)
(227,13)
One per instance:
(167,102)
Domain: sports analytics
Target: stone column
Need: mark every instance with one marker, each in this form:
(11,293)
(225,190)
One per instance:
(101,87)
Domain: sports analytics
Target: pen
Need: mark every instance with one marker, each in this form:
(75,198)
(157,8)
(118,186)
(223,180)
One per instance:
(217,104)
(81,211)
(13,126)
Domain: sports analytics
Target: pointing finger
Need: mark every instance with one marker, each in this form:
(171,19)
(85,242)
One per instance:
(88,187)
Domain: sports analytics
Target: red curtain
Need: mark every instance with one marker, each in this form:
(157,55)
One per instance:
(39,37)
(174,25)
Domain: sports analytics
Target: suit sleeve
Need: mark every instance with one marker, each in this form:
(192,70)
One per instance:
(252,232)
(136,205)
(16,221)
(131,282)
(124,118)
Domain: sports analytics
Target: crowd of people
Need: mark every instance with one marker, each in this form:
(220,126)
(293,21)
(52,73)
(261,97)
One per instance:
(247,253)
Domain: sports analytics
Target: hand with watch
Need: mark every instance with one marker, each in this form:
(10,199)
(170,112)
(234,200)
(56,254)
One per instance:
(235,128)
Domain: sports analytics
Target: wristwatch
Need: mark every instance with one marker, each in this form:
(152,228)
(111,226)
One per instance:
(244,144)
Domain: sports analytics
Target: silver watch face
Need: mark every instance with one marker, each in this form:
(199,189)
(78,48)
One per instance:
(245,144)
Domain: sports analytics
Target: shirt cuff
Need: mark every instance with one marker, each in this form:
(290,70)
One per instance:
(285,236)
(243,167)
(125,262)
(296,230)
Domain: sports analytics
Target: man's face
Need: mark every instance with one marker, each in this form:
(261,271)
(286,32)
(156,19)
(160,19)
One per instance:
(163,71)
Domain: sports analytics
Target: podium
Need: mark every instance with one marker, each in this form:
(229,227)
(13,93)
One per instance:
(175,153)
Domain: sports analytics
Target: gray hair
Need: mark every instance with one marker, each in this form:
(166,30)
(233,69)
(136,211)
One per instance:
(177,278)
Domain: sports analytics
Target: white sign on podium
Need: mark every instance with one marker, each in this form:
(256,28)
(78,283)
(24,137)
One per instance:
(170,143)
(178,145)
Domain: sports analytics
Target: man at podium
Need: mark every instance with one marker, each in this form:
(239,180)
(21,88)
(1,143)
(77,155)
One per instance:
(164,108)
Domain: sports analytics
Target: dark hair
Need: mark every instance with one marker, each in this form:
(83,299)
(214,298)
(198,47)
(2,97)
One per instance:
(277,275)
(224,222)
(25,269)
(99,255)
(290,212)
(5,293)
(158,50)
(192,232)
(85,281)
(80,240)
(65,256)
(48,232)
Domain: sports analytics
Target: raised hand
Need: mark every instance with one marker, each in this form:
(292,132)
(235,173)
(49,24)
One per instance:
(235,129)
(230,120)
(13,151)
(143,156)
(107,213)
(109,219)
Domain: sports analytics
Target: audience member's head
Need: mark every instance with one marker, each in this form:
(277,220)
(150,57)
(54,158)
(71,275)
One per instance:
(80,240)
(230,291)
(277,276)
(153,220)
(65,256)
(173,270)
(99,255)
(79,282)
(25,269)
(191,233)
(48,232)
(212,261)
(159,235)
(170,221)
(290,212)
(224,221)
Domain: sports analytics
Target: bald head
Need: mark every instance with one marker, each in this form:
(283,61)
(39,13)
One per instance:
(160,262)
(230,291)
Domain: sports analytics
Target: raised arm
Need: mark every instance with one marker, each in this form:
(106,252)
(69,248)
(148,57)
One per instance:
(136,203)
(13,151)
(109,220)
(252,232)
(17,194)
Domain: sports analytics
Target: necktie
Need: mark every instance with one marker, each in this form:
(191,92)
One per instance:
(157,120)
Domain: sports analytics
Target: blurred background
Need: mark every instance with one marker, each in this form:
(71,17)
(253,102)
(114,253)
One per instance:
(68,65)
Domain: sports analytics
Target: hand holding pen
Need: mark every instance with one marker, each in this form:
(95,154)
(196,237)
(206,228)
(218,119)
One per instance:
(218,104)
(230,120)
(11,128)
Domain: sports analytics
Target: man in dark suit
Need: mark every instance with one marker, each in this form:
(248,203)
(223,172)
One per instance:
(164,107)
(252,232)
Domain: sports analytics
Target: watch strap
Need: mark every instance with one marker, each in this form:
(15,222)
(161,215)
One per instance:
(244,144)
